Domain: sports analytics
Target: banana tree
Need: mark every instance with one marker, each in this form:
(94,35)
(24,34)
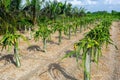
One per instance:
(34,6)
(10,40)
(44,32)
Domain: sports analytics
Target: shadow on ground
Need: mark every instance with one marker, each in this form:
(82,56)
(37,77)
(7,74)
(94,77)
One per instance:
(8,59)
(34,48)
(72,54)
(57,72)
(52,42)
(65,38)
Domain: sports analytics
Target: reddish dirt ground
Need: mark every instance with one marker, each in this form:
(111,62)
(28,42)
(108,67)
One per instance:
(37,65)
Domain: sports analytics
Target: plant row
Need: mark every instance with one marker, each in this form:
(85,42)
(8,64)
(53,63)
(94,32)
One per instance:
(90,47)
(44,31)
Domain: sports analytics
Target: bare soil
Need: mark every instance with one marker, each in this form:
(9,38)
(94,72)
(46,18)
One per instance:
(37,65)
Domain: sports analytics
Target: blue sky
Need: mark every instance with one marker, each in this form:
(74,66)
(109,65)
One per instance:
(96,5)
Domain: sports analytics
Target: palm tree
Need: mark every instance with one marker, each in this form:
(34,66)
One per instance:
(15,5)
(6,17)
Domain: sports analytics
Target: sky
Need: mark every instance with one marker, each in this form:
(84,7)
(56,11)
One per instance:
(96,5)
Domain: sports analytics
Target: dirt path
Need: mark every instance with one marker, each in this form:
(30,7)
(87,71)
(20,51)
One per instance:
(116,73)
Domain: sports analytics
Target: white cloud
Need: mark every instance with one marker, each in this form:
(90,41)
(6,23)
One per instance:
(81,2)
(91,2)
(76,2)
(112,2)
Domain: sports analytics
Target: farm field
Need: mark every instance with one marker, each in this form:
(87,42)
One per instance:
(43,66)
(53,40)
